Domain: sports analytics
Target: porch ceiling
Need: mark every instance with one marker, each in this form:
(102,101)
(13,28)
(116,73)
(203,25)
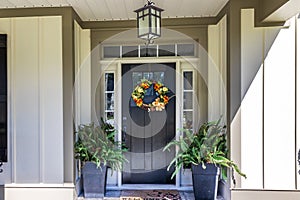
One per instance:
(101,10)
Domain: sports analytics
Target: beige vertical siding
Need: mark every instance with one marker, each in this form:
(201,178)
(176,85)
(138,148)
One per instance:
(36,118)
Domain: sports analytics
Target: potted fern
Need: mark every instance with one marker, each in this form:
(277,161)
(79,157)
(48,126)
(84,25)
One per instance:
(206,153)
(97,149)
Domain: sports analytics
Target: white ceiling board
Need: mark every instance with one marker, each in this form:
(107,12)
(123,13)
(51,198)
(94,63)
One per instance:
(98,7)
(20,3)
(39,2)
(5,3)
(100,10)
(83,9)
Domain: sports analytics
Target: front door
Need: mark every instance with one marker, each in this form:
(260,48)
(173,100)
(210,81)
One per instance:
(146,133)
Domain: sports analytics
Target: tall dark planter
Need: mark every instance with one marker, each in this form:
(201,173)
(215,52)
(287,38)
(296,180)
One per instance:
(94,180)
(205,181)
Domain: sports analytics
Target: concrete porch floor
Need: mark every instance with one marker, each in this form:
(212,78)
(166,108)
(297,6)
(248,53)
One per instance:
(115,195)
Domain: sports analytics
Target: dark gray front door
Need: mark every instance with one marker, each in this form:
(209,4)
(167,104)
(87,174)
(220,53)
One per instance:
(146,133)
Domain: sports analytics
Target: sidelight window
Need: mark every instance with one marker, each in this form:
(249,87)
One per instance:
(3,98)
(110,97)
(188,100)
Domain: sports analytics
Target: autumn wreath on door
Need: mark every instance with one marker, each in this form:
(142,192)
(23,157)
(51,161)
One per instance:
(151,95)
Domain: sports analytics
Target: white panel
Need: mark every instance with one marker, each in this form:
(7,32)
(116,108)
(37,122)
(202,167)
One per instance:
(235,141)
(264,195)
(252,101)
(34,193)
(217,70)
(280,110)
(85,76)
(223,65)
(26,100)
(51,108)
(214,77)
(298,99)
(77,76)
(251,135)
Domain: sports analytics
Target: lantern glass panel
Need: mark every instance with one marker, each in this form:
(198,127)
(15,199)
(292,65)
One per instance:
(143,25)
(153,11)
(158,25)
(153,24)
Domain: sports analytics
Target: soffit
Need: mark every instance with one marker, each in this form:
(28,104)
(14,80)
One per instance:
(107,10)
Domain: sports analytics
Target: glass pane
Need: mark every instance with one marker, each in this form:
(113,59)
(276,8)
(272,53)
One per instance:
(3,99)
(109,101)
(111,52)
(136,78)
(166,50)
(151,51)
(158,25)
(153,24)
(188,80)
(143,25)
(109,116)
(130,51)
(188,100)
(185,50)
(153,11)
(148,75)
(188,120)
(144,12)
(109,81)
(159,77)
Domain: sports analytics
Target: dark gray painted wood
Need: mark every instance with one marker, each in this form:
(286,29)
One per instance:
(146,133)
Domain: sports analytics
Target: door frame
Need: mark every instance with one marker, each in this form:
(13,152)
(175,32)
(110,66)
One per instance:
(181,64)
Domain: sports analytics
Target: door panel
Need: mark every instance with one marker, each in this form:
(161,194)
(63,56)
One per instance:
(146,133)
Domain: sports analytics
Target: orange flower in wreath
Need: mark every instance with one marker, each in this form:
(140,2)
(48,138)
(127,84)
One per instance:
(139,102)
(145,85)
(157,86)
(166,99)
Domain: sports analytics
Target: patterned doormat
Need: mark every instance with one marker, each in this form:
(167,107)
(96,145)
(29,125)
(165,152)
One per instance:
(150,195)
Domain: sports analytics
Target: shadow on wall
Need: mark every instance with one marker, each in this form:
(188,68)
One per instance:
(255,46)
(1,192)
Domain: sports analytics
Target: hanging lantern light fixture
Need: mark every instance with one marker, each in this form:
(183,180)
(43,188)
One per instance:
(149,22)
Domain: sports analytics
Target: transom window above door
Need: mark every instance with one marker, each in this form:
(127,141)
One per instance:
(138,51)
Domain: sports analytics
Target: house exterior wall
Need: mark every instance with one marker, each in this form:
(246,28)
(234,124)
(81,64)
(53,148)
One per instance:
(266,146)
(40,79)
(35,86)
(36,125)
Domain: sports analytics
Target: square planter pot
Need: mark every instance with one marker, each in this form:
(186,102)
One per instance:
(205,181)
(94,180)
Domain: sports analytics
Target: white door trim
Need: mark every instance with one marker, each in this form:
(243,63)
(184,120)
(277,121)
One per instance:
(116,66)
